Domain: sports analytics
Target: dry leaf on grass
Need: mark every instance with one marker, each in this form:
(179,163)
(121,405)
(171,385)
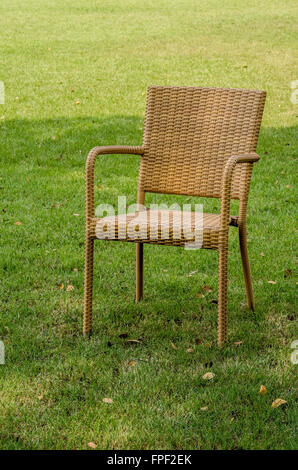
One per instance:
(192,273)
(92,445)
(40,397)
(18,223)
(271,282)
(61,286)
(278,402)
(69,288)
(53,137)
(238,343)
(76,215)
(207,288)
(207,345)
(262,254)
(263,390)
(204,408)
(208,376)
(107,400)
(189,350)
(136,341)
(132,363)
(287,273)
(174,346)
(199,295)
(78,102)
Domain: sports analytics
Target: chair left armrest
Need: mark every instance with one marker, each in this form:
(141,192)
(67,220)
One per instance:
(227,185)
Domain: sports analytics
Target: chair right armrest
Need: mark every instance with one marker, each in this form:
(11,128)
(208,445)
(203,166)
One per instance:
(227,184)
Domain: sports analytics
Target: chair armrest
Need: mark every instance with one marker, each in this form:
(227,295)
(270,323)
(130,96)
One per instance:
(89,174)
(227,185)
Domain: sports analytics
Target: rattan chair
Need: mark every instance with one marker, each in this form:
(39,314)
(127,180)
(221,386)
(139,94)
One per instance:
(197,142)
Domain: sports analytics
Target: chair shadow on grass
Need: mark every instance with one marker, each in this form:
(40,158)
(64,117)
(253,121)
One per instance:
(64,143)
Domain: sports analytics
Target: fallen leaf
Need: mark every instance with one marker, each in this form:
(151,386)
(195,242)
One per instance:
(263,390)
(69,288)
(262,254)
(173,346)
(238,343)
(99,187)
(192,273)
(40,397)
(204,408)
(92,445)
(132,363)
(107,400)
(199,295)
(76,215)
(207,345)
(78,102)
(208,376)
(288,186)
(288,273)
(61,286)
(207,288)
(75,270)
(18,223)
(278,402)
(53,137)
(133,341)
(189,350)
(271,282)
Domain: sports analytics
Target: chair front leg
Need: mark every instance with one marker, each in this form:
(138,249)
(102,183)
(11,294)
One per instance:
(222,293)
(245,266)
(139,271)
(89,245)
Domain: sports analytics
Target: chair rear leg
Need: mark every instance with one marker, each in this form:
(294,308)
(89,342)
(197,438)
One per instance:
(245,266)
(139,271)
(222,294)
(87,328)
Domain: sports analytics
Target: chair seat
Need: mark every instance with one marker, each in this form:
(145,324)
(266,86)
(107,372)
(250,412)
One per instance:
(165,227)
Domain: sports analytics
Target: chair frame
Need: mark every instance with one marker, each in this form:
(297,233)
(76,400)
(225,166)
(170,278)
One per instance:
(225,222)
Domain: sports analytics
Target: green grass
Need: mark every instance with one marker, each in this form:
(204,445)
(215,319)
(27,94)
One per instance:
(104,54)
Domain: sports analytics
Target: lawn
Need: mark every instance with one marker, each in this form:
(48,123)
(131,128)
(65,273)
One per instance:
(75,76)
